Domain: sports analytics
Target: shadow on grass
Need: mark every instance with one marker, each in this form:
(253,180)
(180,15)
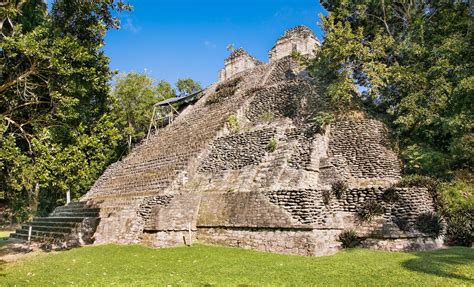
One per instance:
(442,263)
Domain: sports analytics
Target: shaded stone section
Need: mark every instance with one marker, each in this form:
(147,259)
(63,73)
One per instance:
(241,209)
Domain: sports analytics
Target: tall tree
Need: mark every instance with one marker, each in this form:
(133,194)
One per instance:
(412,61)
(135,94)
(187,86)
(55,134)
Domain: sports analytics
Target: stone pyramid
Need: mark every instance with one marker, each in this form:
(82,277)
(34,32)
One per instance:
(245,165)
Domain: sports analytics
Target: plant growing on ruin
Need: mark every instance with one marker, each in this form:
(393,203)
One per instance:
(430,223)
(326,194)
(402,223)
(266,116)
(369,210)
(233,123)
(224,90)
(349,239)
(323,119)
(338,188)
(272,145)
(390,195)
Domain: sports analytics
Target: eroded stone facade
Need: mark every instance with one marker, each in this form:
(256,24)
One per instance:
(263,180)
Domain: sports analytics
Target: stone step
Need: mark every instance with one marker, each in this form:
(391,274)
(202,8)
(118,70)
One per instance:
(74,214)
(33,237)
(53,223)
(76,209)
(58,219)
(47,228)
(56,235)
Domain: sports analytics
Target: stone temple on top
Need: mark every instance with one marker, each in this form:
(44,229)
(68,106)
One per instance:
(245,164)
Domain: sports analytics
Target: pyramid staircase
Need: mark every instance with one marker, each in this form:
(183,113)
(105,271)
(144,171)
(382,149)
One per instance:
(73,224)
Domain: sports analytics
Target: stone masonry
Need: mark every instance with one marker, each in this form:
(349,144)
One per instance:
(246,166)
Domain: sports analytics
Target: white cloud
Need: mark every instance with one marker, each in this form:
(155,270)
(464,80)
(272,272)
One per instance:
(209,44)
(130,26)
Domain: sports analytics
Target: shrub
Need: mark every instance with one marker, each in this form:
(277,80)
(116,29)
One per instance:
(419,181)
(272,145)
(233,123)
(429,223)
(402,223)
(349,239)
(370,209)
(338,188)
(266,117)
(323,119)
(224,90)
(326,194)
(457,201)
(390,195)
(459,228)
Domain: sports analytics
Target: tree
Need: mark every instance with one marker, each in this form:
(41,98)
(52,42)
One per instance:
(408,61)
(187,86)
(55,131)
(135,94)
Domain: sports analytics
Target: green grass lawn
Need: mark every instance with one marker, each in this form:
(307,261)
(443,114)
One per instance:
(4,235)
(202,265)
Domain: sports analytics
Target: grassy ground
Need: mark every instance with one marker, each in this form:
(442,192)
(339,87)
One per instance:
(4,236)
(208,265)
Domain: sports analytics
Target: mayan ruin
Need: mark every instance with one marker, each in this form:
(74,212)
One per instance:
(244,165)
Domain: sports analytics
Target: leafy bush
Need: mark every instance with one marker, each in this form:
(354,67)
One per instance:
(326,194)
(459,228)
(233,123)
(266,117)
(272,145)
(323,119)
(370,209)
(402,223)
(349,239)
(419,181)
(224,90)
(457,201)
(430,223)
(338,188)
(390,195)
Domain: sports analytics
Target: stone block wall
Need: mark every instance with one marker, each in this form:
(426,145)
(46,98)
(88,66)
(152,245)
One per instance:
(236,151)
(358,150)
(299,39)
(238,62)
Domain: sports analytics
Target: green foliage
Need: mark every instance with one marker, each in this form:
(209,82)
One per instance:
(369,210)
(390,195)
(408,62)
(326,195)
(233,123)
(323,119)
(402,223)
(338,188)
(272,145)
(349,239)
(266,117)
(55,130)
(187,86)
(134,95)
(419,181)
(224,90)
(457,199)
(430,223)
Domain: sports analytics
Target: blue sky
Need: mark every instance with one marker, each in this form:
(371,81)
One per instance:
(174,39)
